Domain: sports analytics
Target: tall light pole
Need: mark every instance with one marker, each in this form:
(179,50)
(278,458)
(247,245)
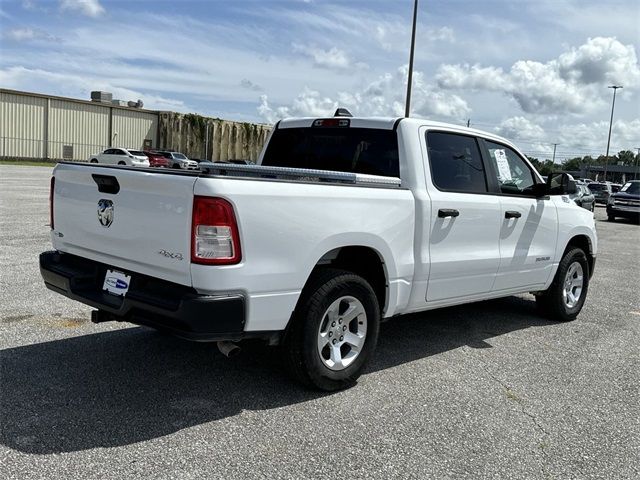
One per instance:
(613,105)
(407,109)
(553,160)
(635,171)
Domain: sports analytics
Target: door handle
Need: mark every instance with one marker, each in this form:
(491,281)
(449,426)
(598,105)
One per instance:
(512,214)
(447,212)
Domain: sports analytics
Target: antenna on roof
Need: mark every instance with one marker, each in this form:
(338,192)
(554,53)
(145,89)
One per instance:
(407,109)
(342,112)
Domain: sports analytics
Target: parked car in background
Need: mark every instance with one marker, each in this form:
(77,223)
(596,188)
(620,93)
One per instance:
(601,191)
(179,160)
(583,197)
(121,156)
(156,159)
(615,187)
(625,203)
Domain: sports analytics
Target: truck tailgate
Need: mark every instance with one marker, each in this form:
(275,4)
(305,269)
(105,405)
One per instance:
(136,220)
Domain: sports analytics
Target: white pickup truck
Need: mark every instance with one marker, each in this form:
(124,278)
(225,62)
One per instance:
(344,222)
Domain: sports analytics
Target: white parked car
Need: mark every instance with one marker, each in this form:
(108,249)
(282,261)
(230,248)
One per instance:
(179,160)
(121,156)
(343,223)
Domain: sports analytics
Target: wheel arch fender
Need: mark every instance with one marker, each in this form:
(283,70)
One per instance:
(355,252)
(581,237)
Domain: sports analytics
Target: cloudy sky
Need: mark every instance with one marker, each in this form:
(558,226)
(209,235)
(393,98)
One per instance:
(535,71)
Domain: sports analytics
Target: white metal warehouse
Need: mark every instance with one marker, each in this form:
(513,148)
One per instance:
(49,127)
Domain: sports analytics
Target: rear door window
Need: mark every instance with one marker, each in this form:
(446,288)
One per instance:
(456,163)
(357,150)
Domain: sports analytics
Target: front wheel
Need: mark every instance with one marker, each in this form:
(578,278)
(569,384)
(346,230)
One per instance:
(564,299)
(334,330)
(611,218)
(94,160)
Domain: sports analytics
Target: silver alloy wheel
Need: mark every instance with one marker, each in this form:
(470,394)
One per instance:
(342,333)
(573,283)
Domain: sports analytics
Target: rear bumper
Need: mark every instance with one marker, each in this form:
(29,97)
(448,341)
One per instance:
(177,309)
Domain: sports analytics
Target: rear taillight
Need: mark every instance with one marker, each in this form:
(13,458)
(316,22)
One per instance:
(215,239)
(51,192)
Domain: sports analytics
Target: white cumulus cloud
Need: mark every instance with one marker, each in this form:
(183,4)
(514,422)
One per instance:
(383,97)
(90,8)
(572,83)
(331,58)
(26,34)
(520,128)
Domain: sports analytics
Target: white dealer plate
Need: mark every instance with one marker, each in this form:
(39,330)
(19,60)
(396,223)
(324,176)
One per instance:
(116,282)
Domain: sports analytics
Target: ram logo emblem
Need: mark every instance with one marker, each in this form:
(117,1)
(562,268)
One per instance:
(105,212)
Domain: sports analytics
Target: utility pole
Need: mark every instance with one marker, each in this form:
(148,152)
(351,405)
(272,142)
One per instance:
(635,172)
(613,105)
(407,109)
(468,122)
(553,160)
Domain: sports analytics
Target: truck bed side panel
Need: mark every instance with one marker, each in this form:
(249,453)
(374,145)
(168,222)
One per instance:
(286,227)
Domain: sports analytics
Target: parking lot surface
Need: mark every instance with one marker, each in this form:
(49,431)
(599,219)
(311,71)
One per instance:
(486,390)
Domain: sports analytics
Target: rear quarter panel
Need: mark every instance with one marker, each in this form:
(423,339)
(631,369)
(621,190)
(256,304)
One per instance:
(286,227)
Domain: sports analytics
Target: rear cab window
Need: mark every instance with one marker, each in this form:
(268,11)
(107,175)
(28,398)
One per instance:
(352,149)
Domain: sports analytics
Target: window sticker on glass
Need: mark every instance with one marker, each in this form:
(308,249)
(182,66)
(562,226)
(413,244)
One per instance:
(504,172)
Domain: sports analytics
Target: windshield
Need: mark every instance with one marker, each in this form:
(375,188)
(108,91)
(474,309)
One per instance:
(631,187)
(179,156)
(596,186)
(358,150)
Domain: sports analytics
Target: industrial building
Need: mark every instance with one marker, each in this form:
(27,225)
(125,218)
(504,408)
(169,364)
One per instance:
(46,127)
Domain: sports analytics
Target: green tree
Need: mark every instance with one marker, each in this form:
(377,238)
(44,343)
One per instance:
(626,157)
(575,163)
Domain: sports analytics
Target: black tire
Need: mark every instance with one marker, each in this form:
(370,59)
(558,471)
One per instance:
(551,303)
(121,163)
(94,160)
(300,348)
(175,165)
(611,218)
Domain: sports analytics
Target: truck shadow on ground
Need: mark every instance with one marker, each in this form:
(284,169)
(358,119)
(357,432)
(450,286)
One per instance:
(131,385)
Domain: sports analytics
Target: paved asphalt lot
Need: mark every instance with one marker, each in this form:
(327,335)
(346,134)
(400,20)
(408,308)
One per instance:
(488,390)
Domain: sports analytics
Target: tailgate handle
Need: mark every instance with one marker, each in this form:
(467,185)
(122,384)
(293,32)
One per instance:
(106,183)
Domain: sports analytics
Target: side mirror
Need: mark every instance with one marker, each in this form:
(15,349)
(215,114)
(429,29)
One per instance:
(560,184)
(540,190)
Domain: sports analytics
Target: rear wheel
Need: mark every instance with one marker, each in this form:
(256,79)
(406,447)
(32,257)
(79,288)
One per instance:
(334,330)
(94,160)
(611,218)
(121,163)
(564,299)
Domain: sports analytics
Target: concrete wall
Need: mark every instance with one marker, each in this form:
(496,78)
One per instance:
(211,138)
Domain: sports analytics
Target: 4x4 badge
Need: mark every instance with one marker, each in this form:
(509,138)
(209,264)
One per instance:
(105,212)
